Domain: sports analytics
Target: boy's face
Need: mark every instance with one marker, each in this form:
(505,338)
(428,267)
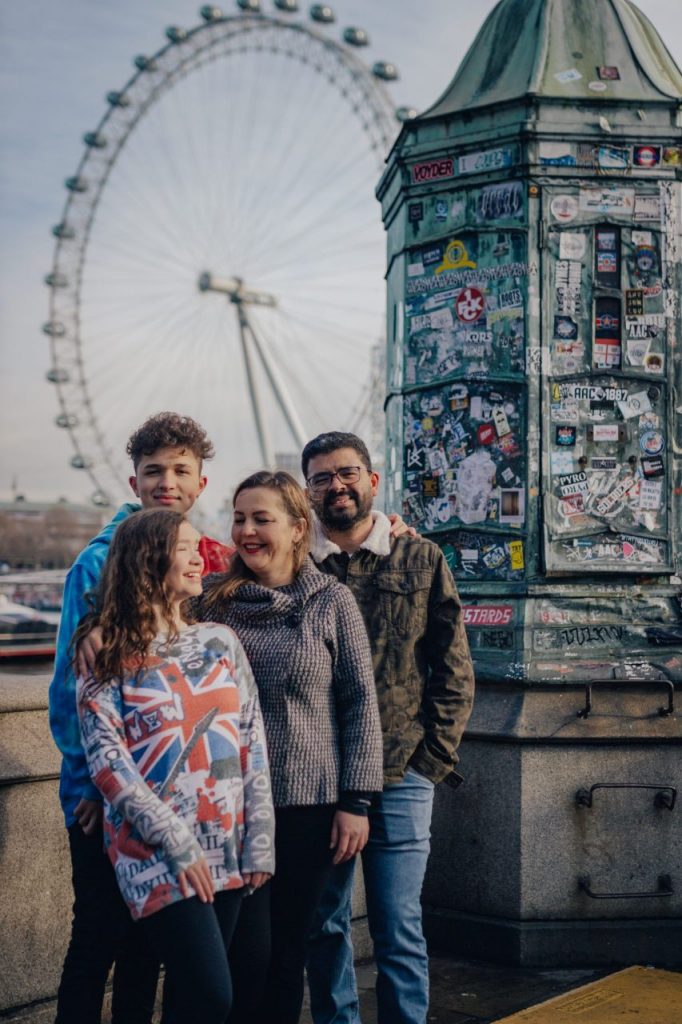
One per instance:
(168,478)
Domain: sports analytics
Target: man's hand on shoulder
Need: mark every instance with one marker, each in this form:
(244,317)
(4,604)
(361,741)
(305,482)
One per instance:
(399,527)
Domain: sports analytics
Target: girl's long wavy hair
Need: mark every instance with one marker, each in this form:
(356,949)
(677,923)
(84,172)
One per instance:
(132,582)
(294,502)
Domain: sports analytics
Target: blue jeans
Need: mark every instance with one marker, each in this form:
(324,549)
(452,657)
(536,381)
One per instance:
(394,864)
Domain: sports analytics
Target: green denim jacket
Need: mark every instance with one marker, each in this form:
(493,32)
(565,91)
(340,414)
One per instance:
(422,665)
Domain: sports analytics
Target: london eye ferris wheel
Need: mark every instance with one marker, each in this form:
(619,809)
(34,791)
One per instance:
(220,250)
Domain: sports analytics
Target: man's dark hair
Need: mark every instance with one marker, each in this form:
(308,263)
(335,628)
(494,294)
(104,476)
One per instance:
(323,444)
(169,430)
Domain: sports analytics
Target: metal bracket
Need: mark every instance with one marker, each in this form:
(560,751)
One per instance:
(665,888)
(669,710)
(665,795)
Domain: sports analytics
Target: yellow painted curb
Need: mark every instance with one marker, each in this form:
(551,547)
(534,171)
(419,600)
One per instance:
(637,995)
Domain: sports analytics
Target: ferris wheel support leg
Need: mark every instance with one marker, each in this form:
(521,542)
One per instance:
(281,394)
(266,451)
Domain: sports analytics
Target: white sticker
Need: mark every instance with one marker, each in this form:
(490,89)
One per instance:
(597,86)
(569,75)
(415,269)
(650,494)
(564,208)
(642,237)
(476,409)
(572,246)
(562,463)
(441,319)
(637,349)
(469,554)
(635,405)
(647,208)
(617,201)
(604,432)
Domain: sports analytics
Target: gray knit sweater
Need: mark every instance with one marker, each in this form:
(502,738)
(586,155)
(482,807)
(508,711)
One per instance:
(310,656)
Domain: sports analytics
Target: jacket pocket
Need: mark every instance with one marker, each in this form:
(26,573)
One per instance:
(404,599)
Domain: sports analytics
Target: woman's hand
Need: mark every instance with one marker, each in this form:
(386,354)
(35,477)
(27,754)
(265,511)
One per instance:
(350,833)
(254,879)
(399,527)
(198,876)
(87,652)
(89,815)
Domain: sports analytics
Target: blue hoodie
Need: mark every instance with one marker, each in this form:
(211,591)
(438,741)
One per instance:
(83,576)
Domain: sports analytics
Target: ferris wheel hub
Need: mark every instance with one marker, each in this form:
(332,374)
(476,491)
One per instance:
(234,288)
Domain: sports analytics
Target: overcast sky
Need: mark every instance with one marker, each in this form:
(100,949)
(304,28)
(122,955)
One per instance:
(58,58)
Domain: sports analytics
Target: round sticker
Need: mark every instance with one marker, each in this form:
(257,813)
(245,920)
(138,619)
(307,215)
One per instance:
(653,362)
(597,86)
(470,305)
(652,442)
(564,208)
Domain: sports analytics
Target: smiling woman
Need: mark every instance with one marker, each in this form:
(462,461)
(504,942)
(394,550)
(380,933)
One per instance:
(308,648)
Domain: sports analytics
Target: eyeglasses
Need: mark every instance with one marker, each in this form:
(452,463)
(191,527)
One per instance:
(323,481)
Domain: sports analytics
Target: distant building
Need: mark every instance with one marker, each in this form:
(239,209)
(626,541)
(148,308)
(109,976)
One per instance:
(45,535)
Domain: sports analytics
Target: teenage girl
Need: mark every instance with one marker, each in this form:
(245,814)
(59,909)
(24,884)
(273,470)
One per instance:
(174,739)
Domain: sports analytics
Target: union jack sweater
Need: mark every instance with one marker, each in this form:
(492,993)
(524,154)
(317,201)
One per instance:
(178,753)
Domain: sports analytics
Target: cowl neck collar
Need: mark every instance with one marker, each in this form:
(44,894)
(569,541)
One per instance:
(254,600)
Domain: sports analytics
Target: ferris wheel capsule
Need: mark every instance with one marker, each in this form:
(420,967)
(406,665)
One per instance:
(66,420)
(288,6)
(322,13)
(210,13)
(252,6)
(57,375)
(101,499)
(356,36)
(384,69)
(406,113)
(95,140)
(143,63)
(176,34)
(82,462)
(63,231)
(54,329)
(118,99)
(56,280)
(76,184)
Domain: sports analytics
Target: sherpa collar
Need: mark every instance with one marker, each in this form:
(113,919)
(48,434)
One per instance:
(378,541)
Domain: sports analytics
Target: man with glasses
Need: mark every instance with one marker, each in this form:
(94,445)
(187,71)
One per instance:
(424,679)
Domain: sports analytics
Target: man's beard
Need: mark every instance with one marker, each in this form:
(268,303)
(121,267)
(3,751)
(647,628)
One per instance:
(344,519)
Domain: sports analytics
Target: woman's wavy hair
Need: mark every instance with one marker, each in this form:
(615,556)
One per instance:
(132,582)
(295,504)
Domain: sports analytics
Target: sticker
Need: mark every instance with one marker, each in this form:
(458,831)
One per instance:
(573,483)
(564,208)
(556,154)
(646,156)
(430,486)
(594,393)
(562,463)
(512,505)
(474,486)
(487,614)
(604,465)
(487,160)
(565,436)
(597,86)
(637,350)
(510,299)
(608,72)
(569,75)
(470,305)
(634,302)
(572,246)
(652,442)
(605,433)
(654,362)
(653,466)
(415,212)
(459,397)
(456,256)
(672,156)
(572,506)
(650,494)
(441,210)
(516,554)
(606,352)
(565,328)
(433,170)
(500,202)
(613,158)
(647,208)
(617,494)
(635,405)
(501,422)
(486,433)
(616,201)
(434,254)
(416,267)
(607,263)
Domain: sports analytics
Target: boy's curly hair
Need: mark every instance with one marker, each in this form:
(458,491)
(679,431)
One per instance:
(169,430)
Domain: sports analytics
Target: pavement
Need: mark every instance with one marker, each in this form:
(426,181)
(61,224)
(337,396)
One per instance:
(462,992)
